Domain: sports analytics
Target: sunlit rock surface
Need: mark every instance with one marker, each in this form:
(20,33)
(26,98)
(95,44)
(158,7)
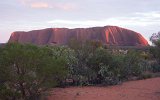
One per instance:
(110,35)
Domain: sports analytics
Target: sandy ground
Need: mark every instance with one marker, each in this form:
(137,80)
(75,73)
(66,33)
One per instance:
(134,90)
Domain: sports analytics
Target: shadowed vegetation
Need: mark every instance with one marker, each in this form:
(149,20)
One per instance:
(28,72)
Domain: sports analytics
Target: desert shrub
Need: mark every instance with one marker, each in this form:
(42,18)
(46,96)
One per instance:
(133,64)
(83,51)
(66,53)
(100,66)
(28,71)
(108,76)
(145,75)
(107,65)
(155,67)
(154,50)
(100,56)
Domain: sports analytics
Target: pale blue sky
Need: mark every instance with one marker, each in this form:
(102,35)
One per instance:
(139,15)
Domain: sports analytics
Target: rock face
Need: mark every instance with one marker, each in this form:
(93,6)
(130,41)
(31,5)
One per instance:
(110,35)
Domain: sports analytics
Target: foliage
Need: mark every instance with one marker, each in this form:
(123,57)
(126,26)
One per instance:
(83,52)
(100,65)
(107,65)
(145,75)
(108,76)
(155,51)
(100,56)
(132,65)
(122,67)
(155,67)
(65,53)
(155,37)
(82,63)
(28,71)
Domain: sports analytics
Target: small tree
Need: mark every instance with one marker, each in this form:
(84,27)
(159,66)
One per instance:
(155,37)
(66,53)
(106,66)
(83,51)
(154,50)
(132,64)
(100,56)
(28,71)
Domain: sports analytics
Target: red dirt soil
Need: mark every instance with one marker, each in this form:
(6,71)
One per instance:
(134,90)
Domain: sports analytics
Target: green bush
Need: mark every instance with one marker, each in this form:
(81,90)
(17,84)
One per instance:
(155,67)
(145,75)
(27,71)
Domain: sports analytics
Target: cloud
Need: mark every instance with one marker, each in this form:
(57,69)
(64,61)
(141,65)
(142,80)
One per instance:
(59,6)
(144,22)
(140,19)
(50,5)
(65,6)
(24,2)
(40,5)
(155,14)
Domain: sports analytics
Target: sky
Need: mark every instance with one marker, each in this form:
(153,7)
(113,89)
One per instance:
(142,16)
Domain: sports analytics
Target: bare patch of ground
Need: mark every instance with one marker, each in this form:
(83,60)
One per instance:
(148,89)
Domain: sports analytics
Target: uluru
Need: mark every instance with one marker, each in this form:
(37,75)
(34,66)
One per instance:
(109,35)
